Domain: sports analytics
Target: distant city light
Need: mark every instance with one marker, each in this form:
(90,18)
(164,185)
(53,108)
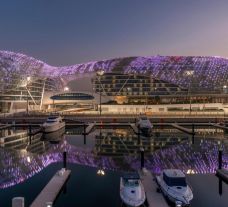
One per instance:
(101,172)
(189,72)
(66,88)
(190,171)
(28,78)
(100,72)
(28,159)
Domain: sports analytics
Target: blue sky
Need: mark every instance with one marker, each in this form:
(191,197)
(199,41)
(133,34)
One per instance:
(65,32)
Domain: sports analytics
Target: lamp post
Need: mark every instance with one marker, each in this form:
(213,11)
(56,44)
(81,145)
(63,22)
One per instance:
(27,82)
(190,74)
(225,89)
(99,74)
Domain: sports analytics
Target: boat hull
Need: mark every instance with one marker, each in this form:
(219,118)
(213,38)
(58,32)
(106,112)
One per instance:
(128,201)
(173,199)
(146,131)
(53,128)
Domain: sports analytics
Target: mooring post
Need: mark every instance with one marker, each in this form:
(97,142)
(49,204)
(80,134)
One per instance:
(30,134)
(18,202)
(142,157)
(138,134)
(64,159)
(193,133)
(220,158)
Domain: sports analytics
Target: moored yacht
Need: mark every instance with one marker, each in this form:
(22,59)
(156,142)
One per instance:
(53,123)
(145,125)
(173,185)
(131,190)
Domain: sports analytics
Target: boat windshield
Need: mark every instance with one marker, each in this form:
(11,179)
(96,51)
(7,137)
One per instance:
(53,117)
(175,181)
(144,118)
(131,183)
(50,121)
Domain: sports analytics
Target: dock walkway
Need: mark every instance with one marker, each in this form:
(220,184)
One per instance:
(220,126)
(223,173)
(52,189)
(181,128)
(154,198)
(5,126)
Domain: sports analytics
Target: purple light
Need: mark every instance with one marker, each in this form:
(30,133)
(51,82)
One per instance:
(16,167)
(212,72)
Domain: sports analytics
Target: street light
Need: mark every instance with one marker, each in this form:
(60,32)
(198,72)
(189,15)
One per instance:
(189,73)
(66,88)
(101,172)
(99,74)
(28,79)
(225,89)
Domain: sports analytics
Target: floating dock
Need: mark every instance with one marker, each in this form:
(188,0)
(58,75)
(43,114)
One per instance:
(52,189)
(222,173)
(220,126)
(154,198)
(5,126)
(181,128)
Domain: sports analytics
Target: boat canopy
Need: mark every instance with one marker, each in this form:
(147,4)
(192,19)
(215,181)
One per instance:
(174,181)
(131,176)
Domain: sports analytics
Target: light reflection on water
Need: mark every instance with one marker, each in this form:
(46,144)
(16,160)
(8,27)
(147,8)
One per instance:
(115,149)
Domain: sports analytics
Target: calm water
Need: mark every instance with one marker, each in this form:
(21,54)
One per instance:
(107,148)
(86,188)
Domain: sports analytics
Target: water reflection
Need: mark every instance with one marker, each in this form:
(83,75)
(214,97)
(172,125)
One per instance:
(115,149)
(19,139)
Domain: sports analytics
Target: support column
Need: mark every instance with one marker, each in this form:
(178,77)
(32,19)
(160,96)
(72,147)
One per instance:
(64,159)
(30,134)
(220,159)
(142,157)
(138,134)
(193,133)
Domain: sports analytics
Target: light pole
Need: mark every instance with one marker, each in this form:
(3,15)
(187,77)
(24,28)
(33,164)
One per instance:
(225,89)
(99,74)
(27,82)
(190,74)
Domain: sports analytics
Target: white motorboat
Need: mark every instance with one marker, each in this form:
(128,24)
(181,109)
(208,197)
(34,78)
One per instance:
(173,185)
(131,190)
(144,125)
(53,137)
(53,123)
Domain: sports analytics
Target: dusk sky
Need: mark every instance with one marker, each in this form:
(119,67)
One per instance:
(65,32)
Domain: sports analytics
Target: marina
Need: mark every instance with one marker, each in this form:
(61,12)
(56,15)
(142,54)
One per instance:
(113,104)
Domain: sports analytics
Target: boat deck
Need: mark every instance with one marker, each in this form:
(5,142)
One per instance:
(154,198)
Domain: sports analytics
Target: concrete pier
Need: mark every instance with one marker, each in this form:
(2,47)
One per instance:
(154,198)
(52,189)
